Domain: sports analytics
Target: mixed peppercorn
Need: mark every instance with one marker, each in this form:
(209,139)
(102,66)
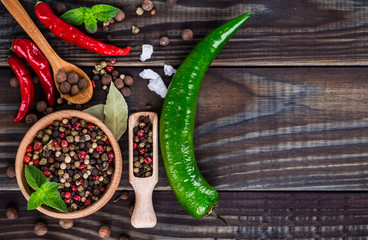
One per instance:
(143,148)
(76,154)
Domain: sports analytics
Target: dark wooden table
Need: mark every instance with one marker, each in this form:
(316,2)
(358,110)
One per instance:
(281,128)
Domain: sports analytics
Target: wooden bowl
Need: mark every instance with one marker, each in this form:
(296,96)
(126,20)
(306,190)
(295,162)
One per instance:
(42,124)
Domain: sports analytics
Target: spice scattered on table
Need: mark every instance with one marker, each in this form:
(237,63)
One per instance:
(187,34)
(31,119)
(40,228)
(76,154)
(164,41)
(124,196)
(10,172)
(41,106)
(104,232)
(135,29)
(66,223)
(14,82)
(11,213)
(143,147)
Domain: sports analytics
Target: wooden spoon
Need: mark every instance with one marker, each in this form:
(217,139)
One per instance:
(57,64)
(143,215)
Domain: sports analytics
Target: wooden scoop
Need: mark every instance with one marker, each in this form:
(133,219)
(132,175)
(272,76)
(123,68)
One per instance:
(143,215)
(57,64)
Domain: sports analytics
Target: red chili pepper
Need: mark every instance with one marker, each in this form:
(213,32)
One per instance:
(26,85)
(73,35)
(25,48)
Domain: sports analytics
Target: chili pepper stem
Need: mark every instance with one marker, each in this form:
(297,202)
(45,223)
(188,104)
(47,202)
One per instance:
(214,213)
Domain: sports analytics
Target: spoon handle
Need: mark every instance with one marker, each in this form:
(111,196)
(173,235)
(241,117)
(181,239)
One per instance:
(143,215)
(24,20)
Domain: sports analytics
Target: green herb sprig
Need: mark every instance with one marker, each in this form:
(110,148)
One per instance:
(90,16)
(46,192)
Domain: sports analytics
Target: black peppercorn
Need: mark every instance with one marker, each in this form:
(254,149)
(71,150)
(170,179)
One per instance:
(11,213)
(60,8)
(125,91)
(106,79)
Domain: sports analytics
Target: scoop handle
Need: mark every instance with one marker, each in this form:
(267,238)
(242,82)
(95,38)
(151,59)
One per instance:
(143,215)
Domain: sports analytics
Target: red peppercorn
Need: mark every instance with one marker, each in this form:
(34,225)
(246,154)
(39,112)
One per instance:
(68,125)
(109,68)
(50,127)
(62,135)
(82,154)
(54,143)
(141,133)
(110,159)
(27,159)
(93,83)
(87,202)
(78,126)
(135,146)
(67,195)
(99,148)
(35,162)
(142,151)
(79,182)
(148,160)
(95,177)
(82,166)
(68,200)
(111,155)
(74,188)
(102,189)
(112,61)
(29,149)
(64,143)
(37,146)
(46,173)
(51,160)
(91,126)
(77,198)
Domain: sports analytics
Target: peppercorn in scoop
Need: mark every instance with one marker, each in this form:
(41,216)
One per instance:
(76,154)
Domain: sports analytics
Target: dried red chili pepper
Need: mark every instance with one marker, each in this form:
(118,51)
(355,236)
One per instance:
(25,80)
(25,48)
(73,35)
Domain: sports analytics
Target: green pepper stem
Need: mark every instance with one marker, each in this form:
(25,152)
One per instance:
(219,217)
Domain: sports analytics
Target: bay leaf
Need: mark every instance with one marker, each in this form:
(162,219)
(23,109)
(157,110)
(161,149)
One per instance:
(116,112)
(97,111)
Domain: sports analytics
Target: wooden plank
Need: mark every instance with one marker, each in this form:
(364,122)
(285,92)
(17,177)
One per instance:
(252,215)
(283,33)
(256,128)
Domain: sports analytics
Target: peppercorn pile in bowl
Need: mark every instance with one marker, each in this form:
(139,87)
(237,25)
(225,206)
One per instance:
(78,151)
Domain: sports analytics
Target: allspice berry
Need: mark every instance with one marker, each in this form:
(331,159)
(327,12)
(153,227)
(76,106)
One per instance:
(125,91)
(119,83)
(187,34)
(115,74)
(74,89)
(60,8)
(10,172)
(147,5)
(104,232)
(40,228)
(119,16)
(73,78)
(82,83)
(128,80)
(106,79)
(14,82)
(41,106)
(65,87)
(66,223)
(60,77)
(11,213)
(164,41)
(49,110)
(31,119)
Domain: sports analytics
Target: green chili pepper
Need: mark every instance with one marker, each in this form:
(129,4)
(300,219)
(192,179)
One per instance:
(177,122)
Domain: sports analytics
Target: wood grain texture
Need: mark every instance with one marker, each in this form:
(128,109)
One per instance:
(256,128)
(252,215)
(283,33)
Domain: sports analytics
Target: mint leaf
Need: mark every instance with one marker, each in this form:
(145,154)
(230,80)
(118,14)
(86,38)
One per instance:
(74,17)
(54,200)
(35,200)
(104,12)
(34,177)
(116,112)
(49,187)
(90,20)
